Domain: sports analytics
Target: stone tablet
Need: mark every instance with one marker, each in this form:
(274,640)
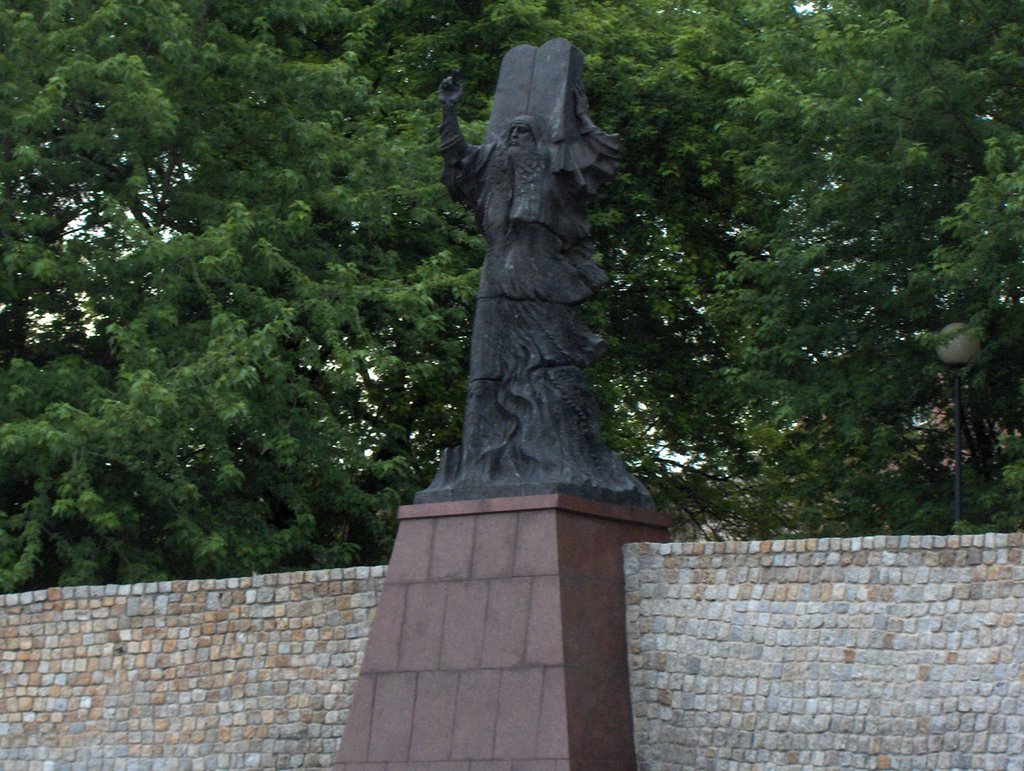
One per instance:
(538,81)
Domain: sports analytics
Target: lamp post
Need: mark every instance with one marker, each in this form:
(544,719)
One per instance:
(957,350)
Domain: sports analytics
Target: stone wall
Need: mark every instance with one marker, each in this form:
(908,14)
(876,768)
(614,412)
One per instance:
(901,653)
(874,653)
(251,673)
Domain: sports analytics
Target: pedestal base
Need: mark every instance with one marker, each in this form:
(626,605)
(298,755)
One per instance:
(499,643)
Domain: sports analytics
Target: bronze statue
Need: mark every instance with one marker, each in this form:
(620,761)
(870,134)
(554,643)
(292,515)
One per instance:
(531,422)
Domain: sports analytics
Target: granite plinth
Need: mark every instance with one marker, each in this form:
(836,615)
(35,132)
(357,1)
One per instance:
(499,642)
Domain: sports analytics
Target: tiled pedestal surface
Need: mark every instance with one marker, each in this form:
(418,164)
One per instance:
(499,642)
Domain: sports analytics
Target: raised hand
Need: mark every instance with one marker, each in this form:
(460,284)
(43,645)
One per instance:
(450,90)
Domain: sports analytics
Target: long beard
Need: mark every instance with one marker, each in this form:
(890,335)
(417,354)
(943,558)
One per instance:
(527,168)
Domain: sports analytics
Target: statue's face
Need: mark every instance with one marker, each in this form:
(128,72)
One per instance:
(520,135)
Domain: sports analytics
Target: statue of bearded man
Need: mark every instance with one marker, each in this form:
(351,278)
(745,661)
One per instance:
(531,422)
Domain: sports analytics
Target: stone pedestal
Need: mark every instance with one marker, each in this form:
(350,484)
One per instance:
(499,643)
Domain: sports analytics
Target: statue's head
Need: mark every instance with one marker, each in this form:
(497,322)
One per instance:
(525,132)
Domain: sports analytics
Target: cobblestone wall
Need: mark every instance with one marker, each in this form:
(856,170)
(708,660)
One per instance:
(873,653)
(248,673)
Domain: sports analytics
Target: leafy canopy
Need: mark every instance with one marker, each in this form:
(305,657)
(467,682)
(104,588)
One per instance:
(234,300)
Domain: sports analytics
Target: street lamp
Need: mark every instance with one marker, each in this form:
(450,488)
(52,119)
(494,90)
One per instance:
(958,348)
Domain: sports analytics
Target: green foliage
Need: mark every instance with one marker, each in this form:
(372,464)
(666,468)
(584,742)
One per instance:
(209,258)
(877,144)
(234,300)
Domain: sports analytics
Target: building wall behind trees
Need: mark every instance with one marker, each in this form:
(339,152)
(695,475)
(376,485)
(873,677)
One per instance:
(885,652)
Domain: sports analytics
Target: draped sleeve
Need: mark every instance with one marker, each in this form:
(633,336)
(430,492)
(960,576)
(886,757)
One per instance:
(590,159)
(464,164)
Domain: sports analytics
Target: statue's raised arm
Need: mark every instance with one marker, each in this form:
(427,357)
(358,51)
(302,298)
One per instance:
(531,422)
(449,93)
(462,160)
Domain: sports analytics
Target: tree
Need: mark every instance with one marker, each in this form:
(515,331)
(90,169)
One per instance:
(879,144)
(212,270)
(237,300)
(234,299)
